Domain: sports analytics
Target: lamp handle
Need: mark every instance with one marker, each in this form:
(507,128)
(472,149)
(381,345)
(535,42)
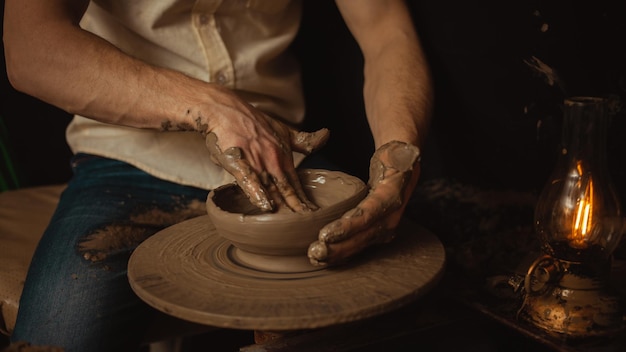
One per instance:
(543,270)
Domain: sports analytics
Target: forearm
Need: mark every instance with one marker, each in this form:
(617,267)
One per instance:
(398,93)
(50,57)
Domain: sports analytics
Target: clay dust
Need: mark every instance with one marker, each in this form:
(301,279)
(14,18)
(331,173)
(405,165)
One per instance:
(124,236)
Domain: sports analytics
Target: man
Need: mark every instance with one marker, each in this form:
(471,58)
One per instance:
(173,98)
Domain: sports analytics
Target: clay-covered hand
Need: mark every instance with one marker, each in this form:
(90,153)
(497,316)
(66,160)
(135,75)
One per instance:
(394,170)
(258,153)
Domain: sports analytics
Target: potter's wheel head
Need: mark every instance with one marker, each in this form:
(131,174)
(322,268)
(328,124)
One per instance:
(190,272)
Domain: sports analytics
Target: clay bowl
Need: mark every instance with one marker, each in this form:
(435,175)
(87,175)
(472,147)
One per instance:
(278,241)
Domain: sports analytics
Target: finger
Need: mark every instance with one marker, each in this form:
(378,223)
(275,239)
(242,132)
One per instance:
(317,253)
(290,196)
(294,180)
(272,192)
(248,180)
(308,142)
(288,183)
(321,253)
(378,203)
(232,161)
(214,149)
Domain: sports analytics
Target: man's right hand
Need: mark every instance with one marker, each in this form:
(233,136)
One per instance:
(257,150)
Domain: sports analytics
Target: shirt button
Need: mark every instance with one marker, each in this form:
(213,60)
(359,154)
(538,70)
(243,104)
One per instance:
(204,19)
(221,78)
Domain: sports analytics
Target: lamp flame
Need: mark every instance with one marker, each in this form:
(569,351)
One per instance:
(583,221)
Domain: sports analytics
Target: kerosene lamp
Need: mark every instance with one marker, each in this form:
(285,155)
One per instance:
(579,223)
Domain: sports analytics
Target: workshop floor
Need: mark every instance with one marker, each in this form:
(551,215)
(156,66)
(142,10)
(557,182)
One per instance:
(466,331)
(473,333)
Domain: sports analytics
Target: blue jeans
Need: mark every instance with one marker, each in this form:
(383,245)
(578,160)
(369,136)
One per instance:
(77,295)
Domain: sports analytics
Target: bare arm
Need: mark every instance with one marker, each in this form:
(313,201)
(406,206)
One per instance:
(398,94)
(398,98)
(50,57)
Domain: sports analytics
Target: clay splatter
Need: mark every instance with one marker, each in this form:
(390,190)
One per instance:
(124,236)
(307,142)
(547,72)
(166,125)
(201,125)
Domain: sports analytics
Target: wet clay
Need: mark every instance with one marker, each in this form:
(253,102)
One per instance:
(265,190)
(232,161)
(265,239)
(391,168)
(187,271)
(200,125)
(307,142)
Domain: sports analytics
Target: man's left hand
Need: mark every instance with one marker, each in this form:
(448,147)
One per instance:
(394,170)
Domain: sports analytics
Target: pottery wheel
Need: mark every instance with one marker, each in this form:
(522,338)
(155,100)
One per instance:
(190,272)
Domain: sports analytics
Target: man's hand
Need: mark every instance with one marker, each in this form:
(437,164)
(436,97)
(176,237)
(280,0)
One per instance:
(258,153)
(393,174)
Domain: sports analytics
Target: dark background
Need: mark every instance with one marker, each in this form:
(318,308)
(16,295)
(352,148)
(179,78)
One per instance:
(489,101)
(497,121)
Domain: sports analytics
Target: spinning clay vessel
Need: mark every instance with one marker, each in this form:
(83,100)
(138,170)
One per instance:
(261,236)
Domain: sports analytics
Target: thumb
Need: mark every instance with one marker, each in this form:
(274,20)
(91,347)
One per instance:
(308,142)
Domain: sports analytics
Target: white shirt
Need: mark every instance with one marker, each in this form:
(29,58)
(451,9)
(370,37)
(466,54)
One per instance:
(236,43)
